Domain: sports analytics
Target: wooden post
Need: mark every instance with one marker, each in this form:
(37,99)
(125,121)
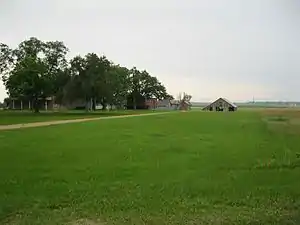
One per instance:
(46,105)
(13,104)
(21,104)
(29,106)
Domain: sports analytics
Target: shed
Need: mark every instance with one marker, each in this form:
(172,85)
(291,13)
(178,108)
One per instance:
(221,104)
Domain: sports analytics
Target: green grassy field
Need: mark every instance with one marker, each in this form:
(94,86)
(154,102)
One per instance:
(17,117)
(179,168)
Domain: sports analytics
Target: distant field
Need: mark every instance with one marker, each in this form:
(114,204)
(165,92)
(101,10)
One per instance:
(254,106)
(15,117)
(180,168)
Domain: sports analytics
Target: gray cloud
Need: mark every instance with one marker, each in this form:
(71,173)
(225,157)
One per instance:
(236,49)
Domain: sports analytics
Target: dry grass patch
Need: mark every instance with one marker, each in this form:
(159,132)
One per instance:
(282,120)
(87,222)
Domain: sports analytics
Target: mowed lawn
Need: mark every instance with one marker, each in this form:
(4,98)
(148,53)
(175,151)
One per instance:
(21,117)
(179,168)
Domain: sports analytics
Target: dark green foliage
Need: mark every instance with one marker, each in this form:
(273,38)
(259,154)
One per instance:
(36,70)
(135,101)
(32,71)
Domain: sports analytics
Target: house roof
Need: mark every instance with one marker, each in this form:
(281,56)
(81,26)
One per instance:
(224,99)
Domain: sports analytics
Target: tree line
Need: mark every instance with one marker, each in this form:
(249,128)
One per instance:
(35,70)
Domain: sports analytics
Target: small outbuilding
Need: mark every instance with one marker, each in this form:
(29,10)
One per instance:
(221,104)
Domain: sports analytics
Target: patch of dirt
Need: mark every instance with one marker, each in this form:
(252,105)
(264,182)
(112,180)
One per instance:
(86,222)
(12,219)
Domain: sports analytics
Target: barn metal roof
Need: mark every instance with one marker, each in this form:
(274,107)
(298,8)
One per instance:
(224,99)
(229,102)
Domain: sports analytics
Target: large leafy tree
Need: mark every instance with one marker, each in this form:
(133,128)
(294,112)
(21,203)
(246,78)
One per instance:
(90,79)
(144,86)
(31,70)
(36,70)
(135,95)
(55,59)
(119,85)
(151,87)
(77,86)
(103,88)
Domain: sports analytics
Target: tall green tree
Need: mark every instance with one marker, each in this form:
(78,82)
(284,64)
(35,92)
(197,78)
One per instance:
(78,85)
(55,59)
(144,86)
(103,87)
(36,70)
(150,87)
(90,78)
(119,85)
(135,78)
(30,70)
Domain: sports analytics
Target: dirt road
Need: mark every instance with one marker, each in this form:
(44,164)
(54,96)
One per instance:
(50,123)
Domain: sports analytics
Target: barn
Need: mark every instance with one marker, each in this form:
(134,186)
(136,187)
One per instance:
(221,104)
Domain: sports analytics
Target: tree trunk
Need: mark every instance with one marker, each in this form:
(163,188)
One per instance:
(86,104)
(104,106)
(91,104)
(94,104)
(36,106)
(134,102)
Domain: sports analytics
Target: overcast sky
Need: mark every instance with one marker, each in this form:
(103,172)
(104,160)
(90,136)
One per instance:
(237,49)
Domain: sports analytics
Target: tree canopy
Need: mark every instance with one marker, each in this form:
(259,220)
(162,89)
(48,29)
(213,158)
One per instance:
(35,70)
